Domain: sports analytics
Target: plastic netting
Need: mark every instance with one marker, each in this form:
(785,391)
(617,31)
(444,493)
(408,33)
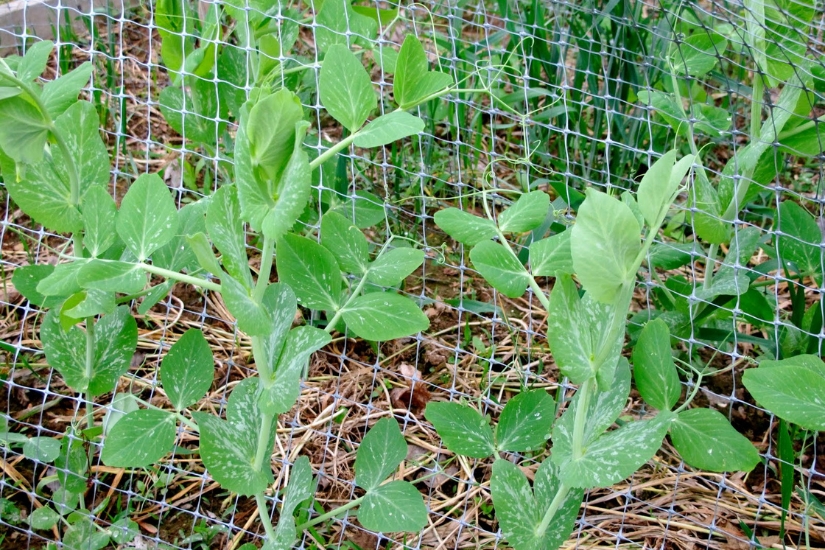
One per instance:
(568,115)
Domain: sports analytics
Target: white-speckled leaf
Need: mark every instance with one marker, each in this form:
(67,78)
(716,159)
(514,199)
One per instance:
(526,214)
(65,351)
(281,303)
(227,447)
(394,506)
(251,316)
(311,271)
(516,509)
(577,328)
(615,455)
(552,255)
(299,487)
(147,218)
(139,439)
(525,422)
(462,429)
(223,220)
(545,486)
(464,227)
(115,344)
(380,453)
(187,369)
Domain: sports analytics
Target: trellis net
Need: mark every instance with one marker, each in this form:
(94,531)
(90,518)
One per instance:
(556,96)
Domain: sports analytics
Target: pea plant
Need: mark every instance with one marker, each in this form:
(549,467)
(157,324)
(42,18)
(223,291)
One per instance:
(56,169)
(771,46)
(604,250)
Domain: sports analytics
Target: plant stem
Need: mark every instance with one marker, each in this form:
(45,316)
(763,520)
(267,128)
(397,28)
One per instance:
(329,515)
(263,441)
(585,392)
(335,318)
(263,512)
(561,494)
(90,365)
(169,274)
(266,269)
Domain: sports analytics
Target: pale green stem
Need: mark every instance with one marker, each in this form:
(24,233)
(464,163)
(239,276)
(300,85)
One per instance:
(263,450)
(561,494)
(266,269)
(329,515)
(799,129)
(263,512)
(585,392)
(353,296)
(174,275)
(90,365)
(756,106)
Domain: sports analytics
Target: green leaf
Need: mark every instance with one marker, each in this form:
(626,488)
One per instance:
(187,369)
(251,316)
(389,128)
(183,114)
(311,271)
(63,280)
(42,193)
(147,218)
(525,422)
(577,329)
(225,228)
(300,486)
(80,127)
(228,447)
(140,439)
(60,94)
(24,131)
(121,405)
(94,302)
(500,268)
(363,208)
(670,256)
(393,266)
(395,506)
(383,316)
(338,23)
(659,184)
(552,255)
(346,242)
(124,531)
(34,62)
(381,452)
(111,276)
(202,249)
(615,455)
(177,254)
(25,279)
(654,369)
(44,518)
(806,143)
(516,508)
(83,535)
(280,302)
(292,190)
(115,343)
(526,214)
(546,485)
(42,449)
(799,238)
(270,129)
(605,243)
(72,465)
(792,389)
(464,227)
(345,88)
(707,441)
(697,54)
(414,81)
(99,212)
(461,428)
(285,389)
